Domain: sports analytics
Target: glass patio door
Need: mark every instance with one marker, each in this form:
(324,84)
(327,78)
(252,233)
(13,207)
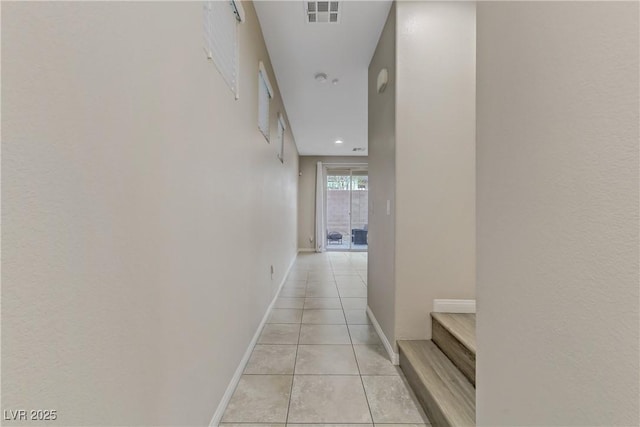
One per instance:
(347,192)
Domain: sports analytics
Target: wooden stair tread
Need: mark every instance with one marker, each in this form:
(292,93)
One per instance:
(460,325)
(446,394)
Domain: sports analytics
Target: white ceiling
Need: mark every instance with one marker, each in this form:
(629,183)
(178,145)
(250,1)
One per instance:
(320,113)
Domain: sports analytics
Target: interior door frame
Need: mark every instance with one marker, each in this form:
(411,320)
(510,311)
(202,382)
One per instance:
(325,173)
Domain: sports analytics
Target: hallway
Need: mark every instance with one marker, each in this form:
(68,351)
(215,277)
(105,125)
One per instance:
(318,359)
(170,169)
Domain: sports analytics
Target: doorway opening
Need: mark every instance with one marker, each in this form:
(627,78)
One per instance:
(347,208)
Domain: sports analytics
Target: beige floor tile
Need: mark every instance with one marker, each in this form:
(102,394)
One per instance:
(285,302)
(329,425)
(364,334)
(359,285)
(279,334)
(259,399)
(323,317)
(345,273)
(354,303)
(324,334)
(320,269)
(374,360)
(320,272)
(295,284)
(328,399)
(321,284)
(253,425)
(397,425)
(272,359)
(326,360)
(343,270)
(292,292)
(357,317)
(349,280)
(321,277)
(324,292)
(392,401)
(359,291)
(326,303)
(298,275)
(285,315)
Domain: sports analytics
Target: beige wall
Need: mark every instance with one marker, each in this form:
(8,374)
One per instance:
(382,178)
(557,322)
(141,210)
(307,195)
(435,160)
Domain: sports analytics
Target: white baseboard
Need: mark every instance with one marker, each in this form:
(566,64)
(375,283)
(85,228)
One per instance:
(393,356)
(217,416)
(306,250)
(454,306)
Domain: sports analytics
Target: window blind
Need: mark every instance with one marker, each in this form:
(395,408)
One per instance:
(221,39)
(265,93)
(281,129)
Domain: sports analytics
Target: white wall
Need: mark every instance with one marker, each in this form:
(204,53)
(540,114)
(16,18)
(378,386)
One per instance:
(307,195)
(141,211)
(382,179)
(435,160)
(557,322)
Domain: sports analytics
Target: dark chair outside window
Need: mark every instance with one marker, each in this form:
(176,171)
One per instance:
(359,235)
(334,237)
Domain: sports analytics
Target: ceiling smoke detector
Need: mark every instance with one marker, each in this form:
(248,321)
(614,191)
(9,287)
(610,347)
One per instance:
(318,12)
(321,77)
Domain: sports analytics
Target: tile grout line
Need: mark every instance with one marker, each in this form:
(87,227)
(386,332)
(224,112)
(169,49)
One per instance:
(359,372)
(295,360)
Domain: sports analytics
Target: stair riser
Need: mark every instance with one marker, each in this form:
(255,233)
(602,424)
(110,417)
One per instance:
(430,407)
(461,356)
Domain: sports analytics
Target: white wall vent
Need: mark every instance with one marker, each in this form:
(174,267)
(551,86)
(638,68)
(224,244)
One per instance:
(327,12)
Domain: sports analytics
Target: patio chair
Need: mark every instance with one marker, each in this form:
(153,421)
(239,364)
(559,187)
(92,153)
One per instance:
(335,237)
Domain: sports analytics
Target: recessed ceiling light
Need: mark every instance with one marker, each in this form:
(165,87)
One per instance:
(338,141)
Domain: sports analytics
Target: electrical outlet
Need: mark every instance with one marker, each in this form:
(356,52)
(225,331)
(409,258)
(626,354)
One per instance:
(310,239)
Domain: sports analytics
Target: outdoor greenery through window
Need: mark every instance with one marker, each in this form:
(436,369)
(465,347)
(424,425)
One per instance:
(338,182)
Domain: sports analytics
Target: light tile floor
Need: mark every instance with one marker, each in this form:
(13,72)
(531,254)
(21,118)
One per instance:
(318,359)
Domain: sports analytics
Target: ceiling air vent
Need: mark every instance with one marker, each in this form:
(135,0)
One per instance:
(322,11)
(358,149)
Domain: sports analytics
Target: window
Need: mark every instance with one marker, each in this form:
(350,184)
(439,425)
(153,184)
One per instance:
(340,180)
(265,93)
(221,38)
(281,128)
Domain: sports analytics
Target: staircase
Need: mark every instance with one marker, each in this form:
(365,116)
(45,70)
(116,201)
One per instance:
(442,371)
